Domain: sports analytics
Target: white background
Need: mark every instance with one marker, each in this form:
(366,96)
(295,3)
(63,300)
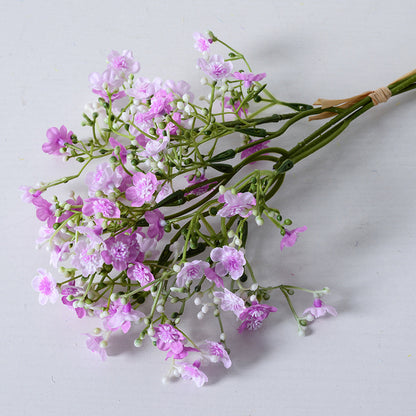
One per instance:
(357,197)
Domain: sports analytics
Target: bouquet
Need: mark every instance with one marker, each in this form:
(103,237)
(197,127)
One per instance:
(170,186)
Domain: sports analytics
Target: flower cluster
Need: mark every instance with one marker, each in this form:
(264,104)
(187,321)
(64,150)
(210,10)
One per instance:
(171,187)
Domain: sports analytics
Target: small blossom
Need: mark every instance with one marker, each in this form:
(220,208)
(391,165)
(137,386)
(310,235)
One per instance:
(248,78)
(121,316)
(191,271)
(120,251)
(319,309)
(215,352)
(201,42)
(123,64)
(144,186)
(46,286)
(215,67)
(229,261)
(104,179)
(57,138)
(44,211)
(192,372)
(213,277)
(123,152)
(155,220)
(27,196)
(107,208)
(94,345)
(86,258)
(230,302)
(71,289)
(142,89)
(239,204)
(254,316)
(141,273)
(255,148)
(108,80)
(289,239)
(169,338)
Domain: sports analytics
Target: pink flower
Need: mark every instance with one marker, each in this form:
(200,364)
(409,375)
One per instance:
(242,112)
(144,186)
(71,289)
(240,204)
(320,309)
(28,196)
(215,67)
(138,271)
(159,104)
(104,179)
(169,338)
(57,140)
(201,42)
(192,372)
(255,148)
(123,152)
(109,80)
(202,189)
(289,239)
(123,64)
(142,89)
(230,302)
(86,258)
(191,271)
(254,316)
(213,277)
(248,78)
(93,206)
(46,286)
(94,345)
(215,352)
(229,261)
(120,251)
(179,88)
(156,223)
(44,211)
(121,316)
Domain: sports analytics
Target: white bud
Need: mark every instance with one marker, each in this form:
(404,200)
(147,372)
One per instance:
(103,314)
(188,109)
(197,301)
(204,81)
(103,344)
(301,331)
(222,336)
(185,97)
(97,331)
(151,332)
(176,268)
(137,343)
(180,105)
(221,189)
(253,298)
(237,242)
(205,309)
(217,301)
(259,221)
(200,315)
(231,234)
(160,308)
(309,317)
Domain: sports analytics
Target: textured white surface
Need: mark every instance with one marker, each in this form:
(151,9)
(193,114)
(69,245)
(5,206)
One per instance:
(357,198)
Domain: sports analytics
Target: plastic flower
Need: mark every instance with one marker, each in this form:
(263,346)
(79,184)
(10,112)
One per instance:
(254,316)
(46,286)
(144,186)
(156,223)
(104,206)
(201,42)
(192,372)
(104,179)
(86,258)
(120,251)
(319,309)
(230,302)
(169,338)
(191,271)
(71,289)
(108,80)
(213,277)
(215,352)
(239,204)
(57,138)
(215,67)
(289,239)
(123,64)
(255,148)
(248,78)
(229,261)
(94,345)
(138,271)
(121,316)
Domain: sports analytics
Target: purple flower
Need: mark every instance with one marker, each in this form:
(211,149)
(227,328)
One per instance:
(254,316)
(240,204)
(140,272)
(169,338)
(28,196)
(229,260)
(144,186)
(192,372)
(255,148)
(86,258)
(123,64)
(44,211)
(248,78)
(107,208)
(142,89)
(230,302)
(121,316)
(213,277)
(123,152)
(104,179)
(109,80)
(120,251)
(159,104)
(201,42)
(94,345)
(46,286)
(156,223)
(56,140)
(191,271)
(320,309)
(235,106)
(215,67)
(215,352)
(179,88)
(71,289)
(202,189)
(289,239)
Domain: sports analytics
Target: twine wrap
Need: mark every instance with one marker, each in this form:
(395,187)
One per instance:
(380,95)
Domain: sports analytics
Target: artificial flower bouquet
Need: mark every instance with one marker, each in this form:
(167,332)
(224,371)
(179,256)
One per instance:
(168,197)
